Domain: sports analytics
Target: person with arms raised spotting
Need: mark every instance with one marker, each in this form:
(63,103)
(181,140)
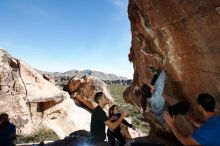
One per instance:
(99,120)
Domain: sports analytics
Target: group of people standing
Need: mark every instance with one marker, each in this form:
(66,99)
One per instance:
(207,133)
(99,120)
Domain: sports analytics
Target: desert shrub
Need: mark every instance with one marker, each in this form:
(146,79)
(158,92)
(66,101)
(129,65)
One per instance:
(40,135)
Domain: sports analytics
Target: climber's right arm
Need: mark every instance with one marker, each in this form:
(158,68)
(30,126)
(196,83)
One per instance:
(194,122)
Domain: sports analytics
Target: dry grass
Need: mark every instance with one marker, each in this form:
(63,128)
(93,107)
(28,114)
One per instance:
(117,91)
(41,135)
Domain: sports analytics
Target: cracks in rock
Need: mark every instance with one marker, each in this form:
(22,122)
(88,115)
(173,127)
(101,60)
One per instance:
(199,53)
(26,92)
(147,49)
(150,43)
(13,65)
(54,112)
(183,18)
(139,6)
(208,71)
(142,48)
(169,42)
(146,27)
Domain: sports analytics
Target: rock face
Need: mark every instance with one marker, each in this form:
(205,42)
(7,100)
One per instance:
(33,102)
(181,37)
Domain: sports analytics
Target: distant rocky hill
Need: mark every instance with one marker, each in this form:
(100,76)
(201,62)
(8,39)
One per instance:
(62,79)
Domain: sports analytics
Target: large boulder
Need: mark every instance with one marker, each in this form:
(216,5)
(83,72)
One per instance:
(33,102)
(83,90)
(181,37)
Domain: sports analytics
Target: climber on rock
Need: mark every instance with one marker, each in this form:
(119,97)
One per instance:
(99,120)
(154,95)
(7,131)
(208,133)
(114,114)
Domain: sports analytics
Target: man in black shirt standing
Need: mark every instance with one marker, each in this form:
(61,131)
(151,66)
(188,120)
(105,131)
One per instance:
(99,120)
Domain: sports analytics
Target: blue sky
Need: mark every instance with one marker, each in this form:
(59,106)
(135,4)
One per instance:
(60,35)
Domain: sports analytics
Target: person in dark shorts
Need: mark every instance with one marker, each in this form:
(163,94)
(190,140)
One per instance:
(7,131)
(208,133)
(114,114)
(99,120)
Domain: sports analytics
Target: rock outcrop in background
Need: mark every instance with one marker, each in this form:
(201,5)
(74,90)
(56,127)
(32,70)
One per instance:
(181,37)
(83,90)
(34,103)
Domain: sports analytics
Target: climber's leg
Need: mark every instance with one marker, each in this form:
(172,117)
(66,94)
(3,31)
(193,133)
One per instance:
(179,108)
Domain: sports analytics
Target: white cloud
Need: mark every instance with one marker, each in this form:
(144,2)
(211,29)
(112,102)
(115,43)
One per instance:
(121,10)
(121,4)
